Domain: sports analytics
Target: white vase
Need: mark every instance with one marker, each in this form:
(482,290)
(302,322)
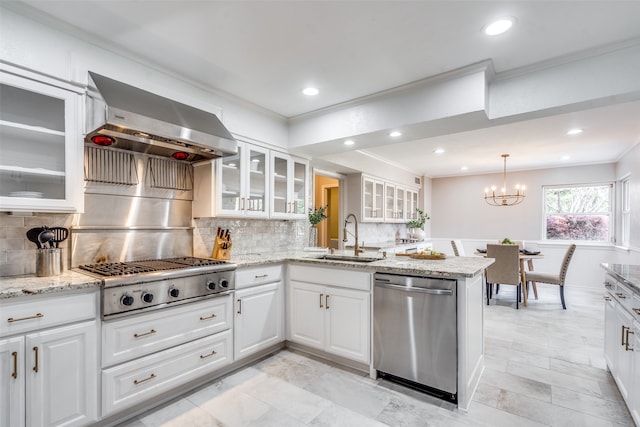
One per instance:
(418,233)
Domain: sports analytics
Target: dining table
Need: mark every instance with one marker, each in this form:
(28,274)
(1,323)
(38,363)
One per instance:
(522,257)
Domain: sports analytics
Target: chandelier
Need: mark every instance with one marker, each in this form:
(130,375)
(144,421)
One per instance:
(504,199)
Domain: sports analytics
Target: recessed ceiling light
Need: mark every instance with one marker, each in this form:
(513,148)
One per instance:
(439,150)
(498,27)
(565,157)
(464,168)
(574,131)
(310,91)
(395,133)
(349,142)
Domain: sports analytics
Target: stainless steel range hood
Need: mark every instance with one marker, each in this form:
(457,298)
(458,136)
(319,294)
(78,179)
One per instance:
(129,118)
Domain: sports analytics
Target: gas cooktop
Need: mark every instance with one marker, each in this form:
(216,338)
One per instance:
(109,269)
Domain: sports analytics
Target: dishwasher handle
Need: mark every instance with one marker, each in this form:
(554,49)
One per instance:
(448,292)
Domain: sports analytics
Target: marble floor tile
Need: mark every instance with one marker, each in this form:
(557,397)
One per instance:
(544,366)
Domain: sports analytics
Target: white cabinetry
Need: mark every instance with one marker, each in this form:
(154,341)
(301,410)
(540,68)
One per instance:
(259,310)
(233,186)
(622,327)
(375,200)
(41,144)
(49,371)
(148,354)
(330,310)
(289,184)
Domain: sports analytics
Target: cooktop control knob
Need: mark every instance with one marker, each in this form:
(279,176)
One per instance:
(174,292)
(126,300)
(147,297)
(211,285)
(224,283)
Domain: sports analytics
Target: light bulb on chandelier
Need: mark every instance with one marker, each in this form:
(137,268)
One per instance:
(504,199)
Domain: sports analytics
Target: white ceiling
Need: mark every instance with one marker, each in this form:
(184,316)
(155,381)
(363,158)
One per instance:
(267,51)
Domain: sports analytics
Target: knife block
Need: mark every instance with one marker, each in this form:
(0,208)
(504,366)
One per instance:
(222,249)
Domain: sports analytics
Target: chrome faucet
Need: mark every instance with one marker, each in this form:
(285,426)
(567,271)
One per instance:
(357,249)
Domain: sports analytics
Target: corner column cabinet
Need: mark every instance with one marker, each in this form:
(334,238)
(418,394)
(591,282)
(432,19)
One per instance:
(48,361)
(41,143)
(330,310)
(289,185)
(622,345)
(259,309)
(233,186)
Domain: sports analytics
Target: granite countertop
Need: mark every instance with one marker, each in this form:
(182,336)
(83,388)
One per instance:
(449,267)
(628,274)
(16,286)
(11,287)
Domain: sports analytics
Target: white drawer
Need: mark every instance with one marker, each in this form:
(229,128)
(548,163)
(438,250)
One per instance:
(252,276)
(331,276)
(39,313)
(624,295)
(142,379)
(131,337)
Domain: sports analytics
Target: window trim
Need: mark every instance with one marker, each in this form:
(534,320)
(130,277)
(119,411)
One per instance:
(610,213)
(625,210)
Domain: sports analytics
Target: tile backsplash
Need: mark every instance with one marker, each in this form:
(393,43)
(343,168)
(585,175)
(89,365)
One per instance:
(17,254)
(250,236)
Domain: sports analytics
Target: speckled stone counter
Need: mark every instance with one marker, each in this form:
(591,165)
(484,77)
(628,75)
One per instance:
(449,267)
(628,274)
(16,286)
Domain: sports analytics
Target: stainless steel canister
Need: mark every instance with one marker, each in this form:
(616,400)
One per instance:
(47,262)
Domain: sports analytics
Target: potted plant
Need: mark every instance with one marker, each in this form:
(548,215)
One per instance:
(316,216)
(417,225)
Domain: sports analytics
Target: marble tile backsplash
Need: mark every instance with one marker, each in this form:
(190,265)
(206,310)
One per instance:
(17,254)
(250,236)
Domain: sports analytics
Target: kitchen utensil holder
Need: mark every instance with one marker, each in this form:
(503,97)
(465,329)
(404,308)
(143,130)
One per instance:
(222,248)
(48,262)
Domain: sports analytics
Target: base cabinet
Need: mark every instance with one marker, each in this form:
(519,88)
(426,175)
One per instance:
(258,319)
(48,378)
(332,319)
(622,342)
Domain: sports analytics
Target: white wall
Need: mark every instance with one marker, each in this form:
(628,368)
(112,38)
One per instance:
(458,210)
(30,44)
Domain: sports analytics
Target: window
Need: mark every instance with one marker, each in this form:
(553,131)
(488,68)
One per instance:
(577,212)
(625,212)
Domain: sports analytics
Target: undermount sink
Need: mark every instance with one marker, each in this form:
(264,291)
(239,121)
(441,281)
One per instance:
(350,258)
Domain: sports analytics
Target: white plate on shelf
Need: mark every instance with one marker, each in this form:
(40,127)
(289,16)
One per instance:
(27,194)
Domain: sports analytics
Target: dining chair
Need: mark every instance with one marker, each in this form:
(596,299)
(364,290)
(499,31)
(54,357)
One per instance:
(553,279)
(505,270)
(458,249)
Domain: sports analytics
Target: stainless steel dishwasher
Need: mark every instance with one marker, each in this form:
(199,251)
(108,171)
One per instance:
(415,332)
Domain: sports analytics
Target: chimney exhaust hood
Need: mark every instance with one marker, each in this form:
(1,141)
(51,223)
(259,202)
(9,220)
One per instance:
(128,118)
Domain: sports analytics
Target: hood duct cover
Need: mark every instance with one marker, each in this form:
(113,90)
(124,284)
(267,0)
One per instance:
(141,121)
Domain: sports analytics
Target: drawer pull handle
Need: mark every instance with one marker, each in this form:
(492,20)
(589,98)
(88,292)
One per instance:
(637,310)
(213,316)
(607,299)
(321,295)
(239,306)
(35,316)
(627,348)
(150,377)
(137,335)
(15,364)
(35,368)
(213,353)
(262,276)
(621,295)
(326,302)
(622,338)
(607,285)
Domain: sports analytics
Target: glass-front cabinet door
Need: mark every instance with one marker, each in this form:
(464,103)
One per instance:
(412,204)
(400,204)
(289,186)
(390,203)
(243,183)
(372,200)
(40,145)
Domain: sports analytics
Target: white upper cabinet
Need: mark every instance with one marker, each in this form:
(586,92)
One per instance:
(233,186)
(375,200)
(289,185)
(412,204)
(394,203)
(372,200)
(41,145)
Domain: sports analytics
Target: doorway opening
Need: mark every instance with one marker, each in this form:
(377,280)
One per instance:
(327,193)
